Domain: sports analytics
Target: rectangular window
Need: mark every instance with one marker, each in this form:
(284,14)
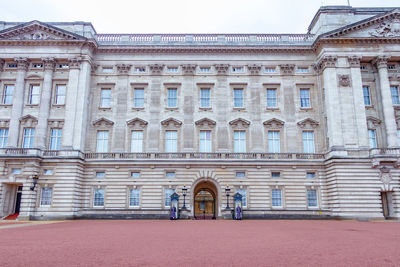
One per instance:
(238,69)
(372,138)
(303,70)
(205,141)
(239,145)
(391,66)
(172,69)
(135,174)
(107,69)
(240,174)
(395,95)
(271,98)
(276,198)
(134,197)
(29,134)
(305,98)
(172,100)
(171,141)
(205,98)
(276,175)
(138,98)
(140,69)
(100,174)
(310,175)
(312,199)
(167,197)
(46,196)
(8,94)
(137,142)
(48,172)
(274,145)
(205,69)
(269,69)
(363,67)
(34,94)
(367,97)
(170,174)
(238,100)
(55,139)
(102,142)
(308,142)
(16,171)
(98,200)
(105,98)
(244,196)
(60,94)
(3,137)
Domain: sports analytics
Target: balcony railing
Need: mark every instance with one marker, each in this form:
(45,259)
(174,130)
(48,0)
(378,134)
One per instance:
(204,39)
(385,151)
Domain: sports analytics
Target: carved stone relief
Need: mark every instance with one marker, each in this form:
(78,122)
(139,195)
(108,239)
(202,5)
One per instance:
(287,69)
(240,123)
(171,122)
(156,69)
(221,68)
(103,122)
(389,28)
(344,80)
(308,124)
(274,123)
(254,69)
(123,68)
(188,69)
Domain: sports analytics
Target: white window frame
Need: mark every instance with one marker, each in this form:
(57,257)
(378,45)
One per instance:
(367,97)
(238,100)
(132,197)
(273,99)
(95,198)
(206,99)
(274,143)
(3,137)
(308,143)
(172,100)
(60,97)
(46,196)
(372,138)
(34,94)
(137,141)
(239,141)
(105,100)
(171,142)
(305,100)
(7,96)
(243,192)
(167,196)
(28,137)
(205,141)
(273,197)
(55,139)
(308,198)
(102,142)
(138,101)
(394,92)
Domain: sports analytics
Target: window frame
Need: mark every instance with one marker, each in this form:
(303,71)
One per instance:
(245,202)
(368,89)
(275,106)
(201,106)
(374,138)
(281,198)
(166,202)
(306,148)
(52,137)
(135,104)
(103,198)
(396,97)
(103,98)
(57,95)
(32,95)
(6,95)
(307,100)
(30,136)
(240,140)
(97,141)
(46,201)
(167,140)
(4,137)
(208,141)
(138,197)
(271,149)
(316,198)
(235,99)
(132,150)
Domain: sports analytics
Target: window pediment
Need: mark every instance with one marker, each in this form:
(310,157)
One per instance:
(205,122)
(103,122)
(28,120)
(240,123)
(373,122)
(56,123)
(308,124)
(136,122)
(171,122)
(4,123)
(274,123)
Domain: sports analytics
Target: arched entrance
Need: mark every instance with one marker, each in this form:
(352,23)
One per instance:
(205,202)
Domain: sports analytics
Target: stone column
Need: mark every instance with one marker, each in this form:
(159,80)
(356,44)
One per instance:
(222,98)
(327,64)
(358,100)
(188,91)
(155,108)
(70,103)
(388,110)
(45,102)
(257,137)
(18,102)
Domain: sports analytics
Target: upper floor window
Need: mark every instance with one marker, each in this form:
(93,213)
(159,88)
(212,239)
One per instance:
(135,174)
(170,174)
(240,174)
(205,141)
(271,98)
(273,142)
(12,65)
(305,98)
(172,69)
(98,200)
(138,98)
(239,143)
(3,137)
(171,141)
(140,69)
(312,199)
(276,197)
(34,94)
(238,98)
(134,197)
(8,94)
(29,134)
(391,66)
(308,142)
(105,98)
(367,97)
(205,69)
(102,142)
(395,95)
(100,174)
(238,69)
(269,69)
(137,142)
(275,174)
(372,138)
(46,196)
(302,69)
(63,66)
(172,98)
(107,69)
(55,139)
(205,98)
(60,94)
(310,175)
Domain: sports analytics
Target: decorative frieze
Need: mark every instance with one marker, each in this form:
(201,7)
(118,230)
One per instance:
(123,69)
(308,123)
(327,61)
(287,69)
(49,63)
(381,61)
(75,63)
(344,80)
(274,123)
(222,69)
(156,69)
(188,69)
(387,28)
(354,61)
(254,69)
(394,77)
(22,63)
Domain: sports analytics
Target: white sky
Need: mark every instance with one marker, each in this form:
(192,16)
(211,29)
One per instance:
(179,16)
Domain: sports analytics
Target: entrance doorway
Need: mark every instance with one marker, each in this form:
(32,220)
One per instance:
(205,205)
(18,200)
(387,204)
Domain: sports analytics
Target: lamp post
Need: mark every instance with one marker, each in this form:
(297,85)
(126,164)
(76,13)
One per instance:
(227,192)
(35,179)
(184,192)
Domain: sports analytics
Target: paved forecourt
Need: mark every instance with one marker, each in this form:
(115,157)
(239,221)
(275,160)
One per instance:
(201,243)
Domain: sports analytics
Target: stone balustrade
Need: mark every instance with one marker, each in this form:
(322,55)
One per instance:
(385,152)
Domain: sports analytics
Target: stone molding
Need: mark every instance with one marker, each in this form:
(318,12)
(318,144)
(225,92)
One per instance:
(136,122)
(274,123)
(326,61)
(222,69)
(4,123)
(254,69)
(373,122)
(381,61)
(55,123)
(103,122)
(344,80)
(75,63)
(123,69)
(22,63)
(308,123)
(287,69)
(387,28)
(188,69)
(205,122)
(94,68)
(49,63)
(156,69)
(354,61)
(239,123)
(171,122)
(394,77)
(28,121)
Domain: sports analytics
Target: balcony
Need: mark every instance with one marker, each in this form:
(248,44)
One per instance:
(386,152)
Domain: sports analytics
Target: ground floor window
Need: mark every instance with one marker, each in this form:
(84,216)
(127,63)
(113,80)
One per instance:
(276,198)
(98,200)
(134,197)
(312,199)
(46,196)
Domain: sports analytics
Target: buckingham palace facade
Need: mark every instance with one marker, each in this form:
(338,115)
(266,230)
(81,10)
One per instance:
(110,125)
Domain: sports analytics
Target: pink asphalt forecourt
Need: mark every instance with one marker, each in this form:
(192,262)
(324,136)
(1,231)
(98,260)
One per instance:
(200,243)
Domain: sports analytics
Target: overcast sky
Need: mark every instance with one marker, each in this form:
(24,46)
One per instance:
(179,16)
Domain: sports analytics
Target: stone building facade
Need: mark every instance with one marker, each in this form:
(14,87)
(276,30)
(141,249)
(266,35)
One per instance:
(302,125)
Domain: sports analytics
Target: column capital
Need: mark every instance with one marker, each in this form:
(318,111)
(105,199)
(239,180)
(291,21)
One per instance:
(354,61)
(381,61)
(326,61)
(75,63)
(123,68)
(287,69)
(22,63)
(49,63)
